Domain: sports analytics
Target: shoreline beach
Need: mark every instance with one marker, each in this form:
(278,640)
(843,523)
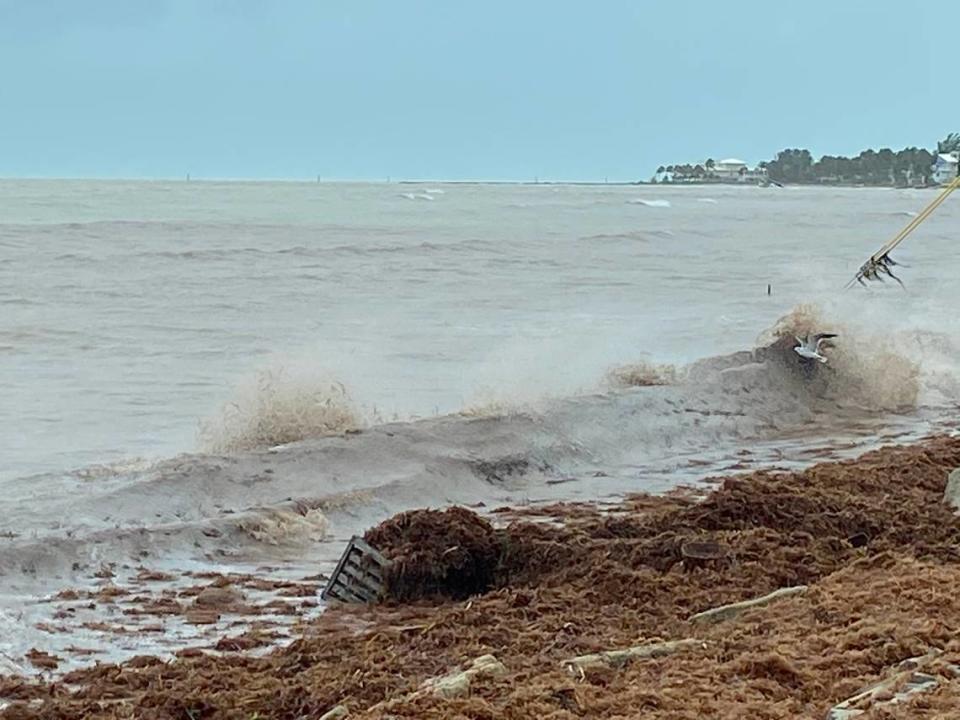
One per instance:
(870,540)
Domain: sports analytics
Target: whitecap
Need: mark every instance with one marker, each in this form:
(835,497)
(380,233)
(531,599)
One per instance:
(650,203)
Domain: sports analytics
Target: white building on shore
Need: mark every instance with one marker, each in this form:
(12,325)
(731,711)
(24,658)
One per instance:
(945,168)
(729,169)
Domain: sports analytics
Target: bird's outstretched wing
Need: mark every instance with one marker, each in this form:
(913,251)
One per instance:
(820,337)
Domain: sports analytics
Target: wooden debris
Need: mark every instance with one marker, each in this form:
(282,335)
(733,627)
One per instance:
(908,676)
(725,612)
(618,658)
(458,683)
(453,685)
(951,494)
(359,574)
(338,711)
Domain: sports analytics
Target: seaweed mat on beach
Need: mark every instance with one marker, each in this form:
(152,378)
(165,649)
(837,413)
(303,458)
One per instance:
(870,537)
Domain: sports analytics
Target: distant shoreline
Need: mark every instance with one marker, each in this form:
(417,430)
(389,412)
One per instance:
(574,183)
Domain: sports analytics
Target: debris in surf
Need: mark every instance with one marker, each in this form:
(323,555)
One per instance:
(875,268)
(880,263)
(358,576)
(221,598)
(154,576)
(43,660)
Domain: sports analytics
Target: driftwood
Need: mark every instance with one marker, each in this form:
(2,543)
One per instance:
(725,612)
(458,683)
(617,658)
(908,675)
(951,494)
(335,713)
(452,685)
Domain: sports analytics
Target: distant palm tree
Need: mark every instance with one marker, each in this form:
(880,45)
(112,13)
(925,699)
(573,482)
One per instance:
(951,143)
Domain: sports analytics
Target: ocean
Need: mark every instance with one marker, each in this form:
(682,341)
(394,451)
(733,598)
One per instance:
(222,374)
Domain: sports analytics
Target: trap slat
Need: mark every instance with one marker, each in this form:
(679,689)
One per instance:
(359,574)
(369,570)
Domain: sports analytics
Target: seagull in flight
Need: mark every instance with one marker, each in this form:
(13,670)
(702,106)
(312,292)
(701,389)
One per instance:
(809,347)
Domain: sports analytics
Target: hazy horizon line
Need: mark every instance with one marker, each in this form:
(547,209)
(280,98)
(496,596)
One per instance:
(389,180)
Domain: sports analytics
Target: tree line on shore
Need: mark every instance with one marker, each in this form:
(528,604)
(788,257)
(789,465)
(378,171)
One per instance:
(909,166)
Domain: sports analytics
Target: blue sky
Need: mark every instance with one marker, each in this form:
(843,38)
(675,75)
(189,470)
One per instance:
(357,89)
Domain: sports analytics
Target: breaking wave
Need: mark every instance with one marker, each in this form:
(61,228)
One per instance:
(641,374)
(276,526)
(866,373)
(277,407)
(867,370)
(650,203)
(643,426)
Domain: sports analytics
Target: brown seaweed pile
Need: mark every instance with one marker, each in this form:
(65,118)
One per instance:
(451,553)
(871,539)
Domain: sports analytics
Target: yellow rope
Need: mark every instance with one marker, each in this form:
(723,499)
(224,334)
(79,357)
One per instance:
(917,220)
(876,263)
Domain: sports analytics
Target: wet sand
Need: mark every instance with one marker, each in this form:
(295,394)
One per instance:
(870,541)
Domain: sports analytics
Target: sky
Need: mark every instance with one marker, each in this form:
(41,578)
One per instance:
(370,90)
